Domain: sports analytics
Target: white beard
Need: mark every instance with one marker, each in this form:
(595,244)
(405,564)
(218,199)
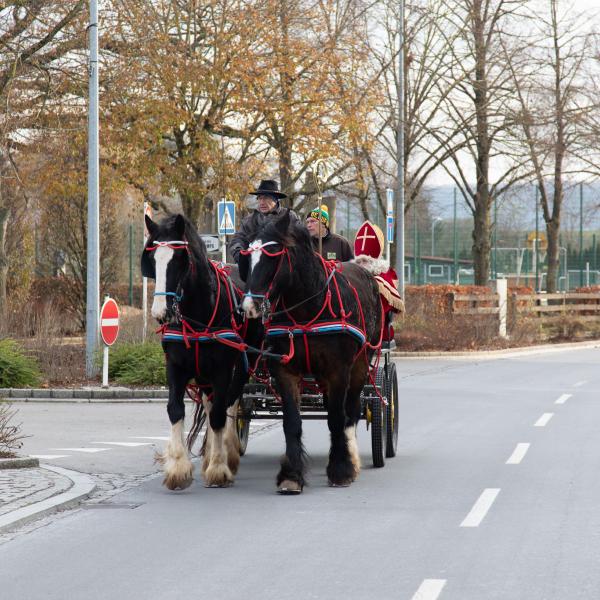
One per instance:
(376,266)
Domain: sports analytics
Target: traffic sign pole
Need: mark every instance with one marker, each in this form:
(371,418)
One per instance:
(105,367)
(109,329)
(147,211)
(226,224)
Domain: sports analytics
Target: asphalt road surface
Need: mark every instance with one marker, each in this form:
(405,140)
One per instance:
(494,494)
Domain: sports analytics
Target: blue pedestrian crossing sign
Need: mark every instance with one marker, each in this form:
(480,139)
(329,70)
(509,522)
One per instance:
(226,217)
(390,216)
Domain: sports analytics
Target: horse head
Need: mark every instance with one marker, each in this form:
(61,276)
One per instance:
(169,258)
(267,264)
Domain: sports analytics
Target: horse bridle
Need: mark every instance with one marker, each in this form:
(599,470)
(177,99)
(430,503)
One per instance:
(178,294)
(265,305)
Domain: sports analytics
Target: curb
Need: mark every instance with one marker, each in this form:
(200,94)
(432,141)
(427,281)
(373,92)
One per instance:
(503,353)
(83,486)
(20,462)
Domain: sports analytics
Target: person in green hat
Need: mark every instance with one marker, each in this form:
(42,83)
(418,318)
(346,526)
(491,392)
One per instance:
(334,247)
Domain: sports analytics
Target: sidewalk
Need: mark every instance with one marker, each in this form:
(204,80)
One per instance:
(30,493)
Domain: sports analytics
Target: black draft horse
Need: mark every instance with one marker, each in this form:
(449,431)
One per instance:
(284,270)
(190,291)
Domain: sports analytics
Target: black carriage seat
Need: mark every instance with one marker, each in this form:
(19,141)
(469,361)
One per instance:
(387,345)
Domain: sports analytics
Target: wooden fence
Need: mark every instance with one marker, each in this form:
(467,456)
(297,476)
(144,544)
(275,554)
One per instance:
(584,306)
(545,307)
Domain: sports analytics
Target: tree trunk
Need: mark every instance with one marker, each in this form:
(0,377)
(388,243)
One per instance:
(4,214)
(552,231)
(285,171)
(481,228)
(481,243)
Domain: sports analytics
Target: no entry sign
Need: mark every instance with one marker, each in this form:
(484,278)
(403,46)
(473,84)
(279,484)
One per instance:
(109,321)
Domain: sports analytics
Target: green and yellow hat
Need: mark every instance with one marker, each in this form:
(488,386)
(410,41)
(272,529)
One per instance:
(321,214)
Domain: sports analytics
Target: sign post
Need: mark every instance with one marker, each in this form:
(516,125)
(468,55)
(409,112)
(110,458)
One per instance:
(147,211)
(389,222)
(226,220)
(109,330)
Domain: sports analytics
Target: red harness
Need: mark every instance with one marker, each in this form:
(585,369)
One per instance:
(229,336)
(331,269)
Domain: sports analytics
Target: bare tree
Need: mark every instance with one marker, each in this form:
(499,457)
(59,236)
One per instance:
(550,77)
(479,104)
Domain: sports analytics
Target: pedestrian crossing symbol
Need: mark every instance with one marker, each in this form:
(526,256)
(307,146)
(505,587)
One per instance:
(226,216)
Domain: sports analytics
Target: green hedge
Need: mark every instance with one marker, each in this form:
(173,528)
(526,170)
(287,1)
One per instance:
(138,364)
(17,369)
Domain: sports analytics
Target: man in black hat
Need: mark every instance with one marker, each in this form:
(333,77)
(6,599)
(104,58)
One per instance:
(268,206)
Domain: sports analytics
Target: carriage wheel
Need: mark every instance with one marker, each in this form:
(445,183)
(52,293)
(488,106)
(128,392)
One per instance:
(378,422)
(391,391)
(242,423)
(378,432)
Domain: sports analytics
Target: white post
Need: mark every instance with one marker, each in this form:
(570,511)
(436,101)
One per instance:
(587,274)
(501,288)
(224,249)
(105,367)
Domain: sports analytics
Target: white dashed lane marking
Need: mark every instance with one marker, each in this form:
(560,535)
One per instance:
(580,383)
(87,450)
(162,438)
(543,420)
(481,508)
(562,399)
(125,444)
(518,454)
(430,589)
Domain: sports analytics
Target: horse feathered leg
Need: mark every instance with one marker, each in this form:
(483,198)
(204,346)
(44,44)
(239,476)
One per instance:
(177,466)
(353,410)
(341,469)
(291,476)
(218,472)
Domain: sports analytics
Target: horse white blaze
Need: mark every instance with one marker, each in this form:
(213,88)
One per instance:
(248,303)
(162,258)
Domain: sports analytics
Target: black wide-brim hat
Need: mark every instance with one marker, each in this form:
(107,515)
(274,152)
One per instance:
(269,187)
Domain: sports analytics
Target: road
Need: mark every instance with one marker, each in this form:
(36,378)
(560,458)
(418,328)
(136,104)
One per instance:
(493,495)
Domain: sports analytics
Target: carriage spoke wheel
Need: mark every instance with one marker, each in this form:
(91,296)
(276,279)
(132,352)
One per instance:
(391,392)
(378,422)
(242,423)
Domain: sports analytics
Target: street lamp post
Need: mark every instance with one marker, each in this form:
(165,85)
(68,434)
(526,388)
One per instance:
(400,157)
(93,208)
(435,220)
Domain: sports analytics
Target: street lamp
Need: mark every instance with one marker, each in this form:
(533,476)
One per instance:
(435,220)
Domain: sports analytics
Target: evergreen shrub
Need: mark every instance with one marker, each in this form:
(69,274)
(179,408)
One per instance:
(137,364)
(17,368)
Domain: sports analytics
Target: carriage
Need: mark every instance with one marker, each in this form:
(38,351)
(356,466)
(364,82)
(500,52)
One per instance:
(379,406)
(320,352)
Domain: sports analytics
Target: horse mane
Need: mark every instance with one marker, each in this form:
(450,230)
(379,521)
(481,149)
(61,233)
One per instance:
(196,246)
(297,239)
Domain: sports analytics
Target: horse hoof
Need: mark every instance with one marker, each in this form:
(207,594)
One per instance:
(177,483)
(213,486)
(218,475)
(340,485)
(289,488)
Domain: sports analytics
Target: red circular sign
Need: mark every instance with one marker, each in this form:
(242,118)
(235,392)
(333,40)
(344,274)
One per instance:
(109,322)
